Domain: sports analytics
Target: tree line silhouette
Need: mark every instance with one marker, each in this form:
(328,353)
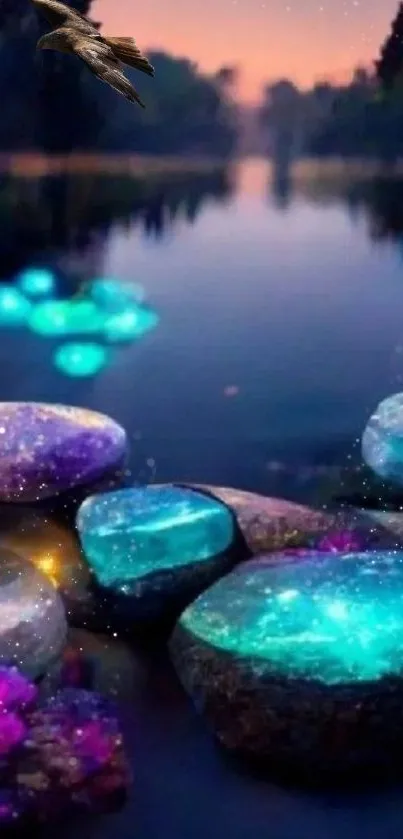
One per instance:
(52,102)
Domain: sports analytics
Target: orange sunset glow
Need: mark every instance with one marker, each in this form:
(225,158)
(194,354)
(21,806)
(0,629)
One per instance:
(302,39)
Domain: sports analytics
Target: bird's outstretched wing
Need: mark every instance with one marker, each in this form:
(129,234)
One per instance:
(127,51)
(104,64)
(58,14)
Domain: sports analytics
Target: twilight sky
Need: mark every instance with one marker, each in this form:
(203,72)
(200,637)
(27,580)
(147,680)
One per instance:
(301,39)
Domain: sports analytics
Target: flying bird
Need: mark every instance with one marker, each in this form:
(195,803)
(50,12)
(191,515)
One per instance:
(75,34)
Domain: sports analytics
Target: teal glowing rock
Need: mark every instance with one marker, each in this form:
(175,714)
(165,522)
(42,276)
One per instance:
(80,360)
(155,541)
(66,317)
(37,282)
(113,295)
(129,324)
(382,440)
(14,307)
(298,662)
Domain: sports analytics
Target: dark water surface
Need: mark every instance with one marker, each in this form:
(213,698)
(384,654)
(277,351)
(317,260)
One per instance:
(281,327)
(281,314)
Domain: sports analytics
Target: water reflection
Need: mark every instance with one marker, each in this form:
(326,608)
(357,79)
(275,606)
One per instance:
(52,216)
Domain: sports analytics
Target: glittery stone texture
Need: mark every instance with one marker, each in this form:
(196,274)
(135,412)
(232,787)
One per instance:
(47,449)
(382,440)
(12,732)
(271,524)
(155,539)
(32,620)
(300,661)
(52,547)
(73,742)
(16,691)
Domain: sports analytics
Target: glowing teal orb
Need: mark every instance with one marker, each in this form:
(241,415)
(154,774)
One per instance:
(14,307)
(113,295)
(382,440)
(336,619)
(80,360)
(130,324)
(36,282)
(66,317)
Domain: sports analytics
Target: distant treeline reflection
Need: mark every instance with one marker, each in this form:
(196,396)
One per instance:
(51,215)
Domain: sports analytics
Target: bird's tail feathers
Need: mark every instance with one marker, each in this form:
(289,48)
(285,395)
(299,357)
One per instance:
(127,51)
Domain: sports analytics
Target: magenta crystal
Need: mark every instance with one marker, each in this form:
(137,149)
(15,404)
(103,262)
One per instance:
(15,690)
(12,732)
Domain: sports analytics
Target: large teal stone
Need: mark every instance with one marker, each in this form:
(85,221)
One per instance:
(300,660)
(155,541)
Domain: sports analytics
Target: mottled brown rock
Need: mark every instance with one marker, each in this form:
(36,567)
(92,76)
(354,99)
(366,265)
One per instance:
(271,524)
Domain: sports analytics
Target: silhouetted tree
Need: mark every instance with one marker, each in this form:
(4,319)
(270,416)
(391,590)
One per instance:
(390,64)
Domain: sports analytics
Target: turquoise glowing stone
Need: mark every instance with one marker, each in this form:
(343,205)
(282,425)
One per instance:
(132,533)
(334,619)
(77,360)
(14,307)
(36,282)
(382,440)
(66,317)
(113,295)
(130,324)
(300,661)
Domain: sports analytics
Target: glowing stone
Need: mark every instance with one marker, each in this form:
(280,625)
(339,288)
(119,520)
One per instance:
(271,524)
(162,540)
(130,324)
(382,440)
(66,317)
(48,449)
(14,307)
(36,282)
(81,360)
(113,296)
(300,661)
(32,620)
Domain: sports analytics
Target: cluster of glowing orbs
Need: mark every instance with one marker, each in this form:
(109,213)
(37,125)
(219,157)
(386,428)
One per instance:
(14,307)
(382,440)
(130,324)
(79,360)
(37,282)
(66,317)
(114,296)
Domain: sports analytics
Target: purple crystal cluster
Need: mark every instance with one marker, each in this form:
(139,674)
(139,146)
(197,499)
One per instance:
(60,754)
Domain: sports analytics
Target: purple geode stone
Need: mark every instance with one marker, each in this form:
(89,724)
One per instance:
(73,754)
(47,449)
(16,691)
